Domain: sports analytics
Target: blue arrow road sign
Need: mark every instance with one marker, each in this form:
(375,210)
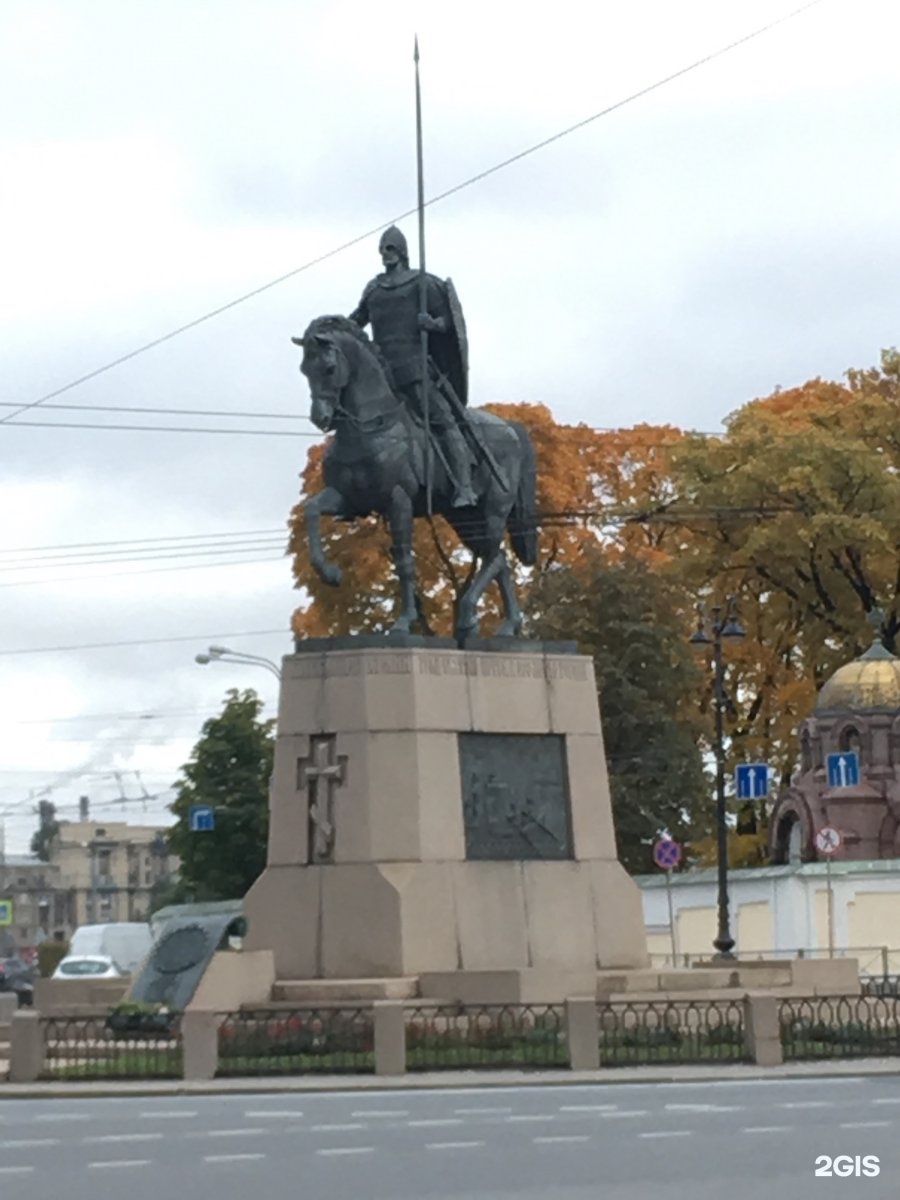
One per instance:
(202,818)
(843,769)
(751,780)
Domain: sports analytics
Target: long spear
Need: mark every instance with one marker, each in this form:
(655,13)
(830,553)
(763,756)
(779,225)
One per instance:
(423,282)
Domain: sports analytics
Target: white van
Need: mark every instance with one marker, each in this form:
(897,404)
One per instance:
(127,943)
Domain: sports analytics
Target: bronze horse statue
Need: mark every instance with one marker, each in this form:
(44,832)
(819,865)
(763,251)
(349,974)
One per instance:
(375,463)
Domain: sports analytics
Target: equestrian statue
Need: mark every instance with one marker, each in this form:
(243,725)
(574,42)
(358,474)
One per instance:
(405,443)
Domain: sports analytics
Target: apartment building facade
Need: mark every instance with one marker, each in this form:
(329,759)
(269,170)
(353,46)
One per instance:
(35,903)
(110,869)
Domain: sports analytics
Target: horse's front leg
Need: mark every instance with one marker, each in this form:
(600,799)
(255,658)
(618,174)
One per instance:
(467,610)
(400,518)
(513,620)
(327,502)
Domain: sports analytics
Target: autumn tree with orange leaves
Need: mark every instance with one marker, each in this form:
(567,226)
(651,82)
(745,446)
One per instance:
(585,477)
(795,510)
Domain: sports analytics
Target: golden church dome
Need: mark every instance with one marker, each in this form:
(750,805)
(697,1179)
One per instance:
(870,681)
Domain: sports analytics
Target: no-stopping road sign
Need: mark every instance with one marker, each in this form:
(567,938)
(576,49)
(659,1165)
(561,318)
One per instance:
(667,854)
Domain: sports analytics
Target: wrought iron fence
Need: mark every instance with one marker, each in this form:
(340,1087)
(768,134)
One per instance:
(840,1027)
(672,1031)
(457,1036)
(91,1047)
(297,1041)
(881,985)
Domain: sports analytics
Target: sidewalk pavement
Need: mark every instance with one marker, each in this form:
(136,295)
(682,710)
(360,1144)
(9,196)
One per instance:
(428,1080)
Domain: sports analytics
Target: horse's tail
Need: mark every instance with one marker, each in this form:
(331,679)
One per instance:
(522,521)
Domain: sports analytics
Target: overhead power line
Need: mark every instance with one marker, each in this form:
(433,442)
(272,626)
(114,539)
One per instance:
(87,559)
(168,412)
(472,179)
(177,537)
(119,427)
(198,637)
(239,562)
(659,513)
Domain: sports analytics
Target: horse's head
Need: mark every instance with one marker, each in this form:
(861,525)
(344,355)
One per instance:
(326,368)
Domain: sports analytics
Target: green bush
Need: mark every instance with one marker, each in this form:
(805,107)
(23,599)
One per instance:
(49,956)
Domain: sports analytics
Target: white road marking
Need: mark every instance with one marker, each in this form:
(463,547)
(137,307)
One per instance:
(272,1113)
(166,1116)
(884,1099)
(426,1123)
(120,1162)
(573,1137)
(331,1150)
(227,1158)
(865,1124)
(22,1142)
(588,1107)
(662,1133)
(15,1170)
(532,1117)
(704,1108)
(451,1145)
(479,1112)
(228,1132)
(380,1112)
(62,1117)
(123,1137)
(767,1129)
(638,1112)
(806,1103)
(333,1128)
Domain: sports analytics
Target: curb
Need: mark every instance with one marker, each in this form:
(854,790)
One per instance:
(443,1081)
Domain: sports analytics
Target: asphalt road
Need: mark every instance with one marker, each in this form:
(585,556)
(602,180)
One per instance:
(750,1140)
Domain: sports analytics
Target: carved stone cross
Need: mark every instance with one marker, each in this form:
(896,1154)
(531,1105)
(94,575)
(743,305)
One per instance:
(320,774)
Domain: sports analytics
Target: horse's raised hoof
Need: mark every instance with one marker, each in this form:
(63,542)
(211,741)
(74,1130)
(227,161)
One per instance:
(331,574)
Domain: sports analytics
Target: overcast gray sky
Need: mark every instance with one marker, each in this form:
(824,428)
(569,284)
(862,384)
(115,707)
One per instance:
(730,232)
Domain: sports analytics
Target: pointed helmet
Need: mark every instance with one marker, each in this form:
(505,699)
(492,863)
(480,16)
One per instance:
(394,238)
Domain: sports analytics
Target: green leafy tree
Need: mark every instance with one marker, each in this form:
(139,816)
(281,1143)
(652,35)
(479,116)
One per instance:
(229,768)
(632,620)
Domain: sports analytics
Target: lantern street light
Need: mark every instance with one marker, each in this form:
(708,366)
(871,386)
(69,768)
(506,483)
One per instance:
(223,654)
(723,627)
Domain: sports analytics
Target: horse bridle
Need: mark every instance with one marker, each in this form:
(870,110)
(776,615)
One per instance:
(372,424)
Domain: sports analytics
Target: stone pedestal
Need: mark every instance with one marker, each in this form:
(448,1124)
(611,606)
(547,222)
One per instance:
(444,814)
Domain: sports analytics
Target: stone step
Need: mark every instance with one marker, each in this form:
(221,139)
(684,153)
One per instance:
(312,992)
(705,997)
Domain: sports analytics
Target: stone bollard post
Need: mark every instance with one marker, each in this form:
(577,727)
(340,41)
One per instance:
(583,1033)
(762,1030)
(26,1046)
(200,1044)
(390,1037)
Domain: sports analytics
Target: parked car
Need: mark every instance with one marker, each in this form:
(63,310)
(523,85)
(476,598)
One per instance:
(17,976)
(87,966)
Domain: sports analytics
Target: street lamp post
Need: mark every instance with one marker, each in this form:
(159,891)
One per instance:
(223,654)
(724,627)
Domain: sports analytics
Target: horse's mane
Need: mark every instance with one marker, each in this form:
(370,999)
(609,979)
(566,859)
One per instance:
(338,324)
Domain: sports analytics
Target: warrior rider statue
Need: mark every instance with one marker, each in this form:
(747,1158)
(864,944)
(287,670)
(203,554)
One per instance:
(391,305)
